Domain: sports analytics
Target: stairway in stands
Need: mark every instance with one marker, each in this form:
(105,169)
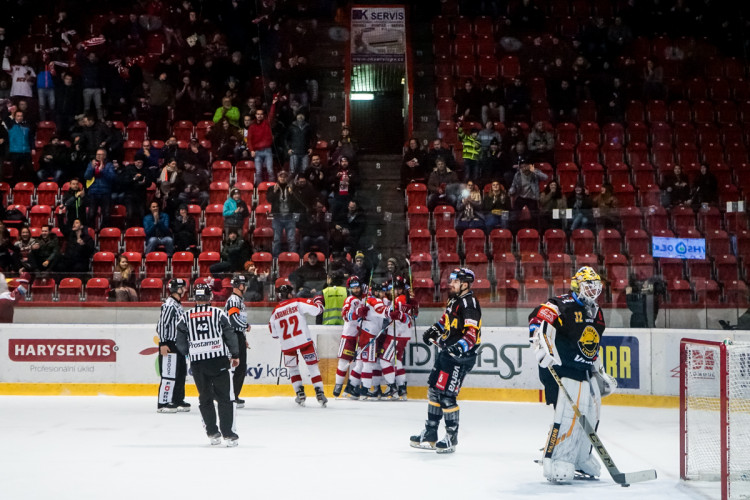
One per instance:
(425,119)
(383,203)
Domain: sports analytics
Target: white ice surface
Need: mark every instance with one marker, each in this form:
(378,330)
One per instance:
(119,447)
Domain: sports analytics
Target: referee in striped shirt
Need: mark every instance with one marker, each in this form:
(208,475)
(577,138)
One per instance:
(235,309)
(204,333)
(172,366)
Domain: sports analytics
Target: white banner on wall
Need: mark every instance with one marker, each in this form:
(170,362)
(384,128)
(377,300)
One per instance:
(644,362)
(378,34)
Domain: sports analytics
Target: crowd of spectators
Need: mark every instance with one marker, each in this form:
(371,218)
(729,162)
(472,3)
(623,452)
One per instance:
(242,67)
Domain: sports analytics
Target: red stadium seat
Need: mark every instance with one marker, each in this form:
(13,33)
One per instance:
(103,264)
(679,292)
(478,263)
(736,293)
(206,260)
(418,217)
(528,240)
(23,193)
(156,264)
(444,216)
(109,239)
(589,132)
(69,290)
(504,265)
(421,265)
(671,269)
(610,241)
(718,242)
(424,290)
(182,264)
(446,240)
(218,192)
(555,241)
(698,269)
(560,264)
(707,293)
(263,238)
(46,193)
(152,290)
(137,131)
(135,239)
(582,241)
(211,238)
(682,218)
(616,265)
(637,242)
(726,268)
(40,215)
(446,263)
(42,289)
(642,266)
(501,241)
(221,171)
(416,194)
(532,265)
(97,290)
(473,241)
(420,241)
(288,262)
(536,291)
(245,171)
(214,215)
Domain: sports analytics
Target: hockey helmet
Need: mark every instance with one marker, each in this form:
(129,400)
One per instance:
(203,293)
(175,284)
(353,282)
(463,274)
(587,284)
(239,280)
(399,282)
(284,291)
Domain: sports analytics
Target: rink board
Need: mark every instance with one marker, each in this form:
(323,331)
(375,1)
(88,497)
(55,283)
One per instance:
(122,360)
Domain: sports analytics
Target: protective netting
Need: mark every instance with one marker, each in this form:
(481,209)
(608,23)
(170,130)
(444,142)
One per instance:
(703,402)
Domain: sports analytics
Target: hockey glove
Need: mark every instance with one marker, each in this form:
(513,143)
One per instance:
(362,312)
(318,299)
(458,348)
(430,335)
(607,384)
(395,315)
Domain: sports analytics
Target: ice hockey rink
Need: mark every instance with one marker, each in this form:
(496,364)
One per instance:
(71,447)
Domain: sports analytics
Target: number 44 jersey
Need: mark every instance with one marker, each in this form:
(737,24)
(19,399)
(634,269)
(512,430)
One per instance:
(288,322)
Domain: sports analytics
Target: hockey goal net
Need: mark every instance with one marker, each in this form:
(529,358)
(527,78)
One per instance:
(715,414)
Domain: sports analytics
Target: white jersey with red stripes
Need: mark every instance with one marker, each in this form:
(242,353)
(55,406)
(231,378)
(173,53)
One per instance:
(349,313)
(288,322)
(376,313)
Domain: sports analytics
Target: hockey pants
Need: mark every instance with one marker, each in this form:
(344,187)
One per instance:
(311,359)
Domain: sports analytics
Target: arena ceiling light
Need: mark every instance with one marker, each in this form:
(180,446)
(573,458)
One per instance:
(362,96)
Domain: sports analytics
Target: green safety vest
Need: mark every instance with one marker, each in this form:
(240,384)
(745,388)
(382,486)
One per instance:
(334,297)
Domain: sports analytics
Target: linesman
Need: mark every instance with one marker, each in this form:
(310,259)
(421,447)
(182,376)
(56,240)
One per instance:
(172,366)
(235,309)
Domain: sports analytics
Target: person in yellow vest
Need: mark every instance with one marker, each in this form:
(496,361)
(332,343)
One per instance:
(334,296)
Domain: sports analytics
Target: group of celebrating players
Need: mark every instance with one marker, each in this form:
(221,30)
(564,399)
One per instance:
(379,321)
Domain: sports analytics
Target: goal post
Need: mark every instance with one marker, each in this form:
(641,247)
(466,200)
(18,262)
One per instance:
(715,414)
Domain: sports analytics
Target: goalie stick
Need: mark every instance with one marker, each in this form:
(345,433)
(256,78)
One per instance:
(621,478)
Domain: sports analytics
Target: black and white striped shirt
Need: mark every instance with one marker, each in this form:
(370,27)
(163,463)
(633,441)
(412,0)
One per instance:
(235,309)
(204,332)
(171,310)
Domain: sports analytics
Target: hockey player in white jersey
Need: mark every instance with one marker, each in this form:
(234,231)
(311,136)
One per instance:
(288,324)
(400,312)
(353,313)
(370,334)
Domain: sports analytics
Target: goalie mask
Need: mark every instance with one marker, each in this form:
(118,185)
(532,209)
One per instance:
(587,284)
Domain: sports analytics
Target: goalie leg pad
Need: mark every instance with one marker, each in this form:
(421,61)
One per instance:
(571,447)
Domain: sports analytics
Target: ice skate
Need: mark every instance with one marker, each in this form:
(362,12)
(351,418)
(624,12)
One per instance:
(372,393)
(231,440)
(321,397)
(448,443)
(590,469)
(337,390)
(426,439)
(240,403)
(167,408)
(301,397)
(557,471)
(391,392)
(183,406)
(352,391)
(215,439)
(402,392)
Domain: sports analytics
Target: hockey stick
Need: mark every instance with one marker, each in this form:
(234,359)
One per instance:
(278,371)
(621,478)
(384,329)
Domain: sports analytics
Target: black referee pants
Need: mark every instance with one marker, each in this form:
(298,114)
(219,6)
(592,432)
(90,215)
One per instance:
(238,379)
(213,380)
